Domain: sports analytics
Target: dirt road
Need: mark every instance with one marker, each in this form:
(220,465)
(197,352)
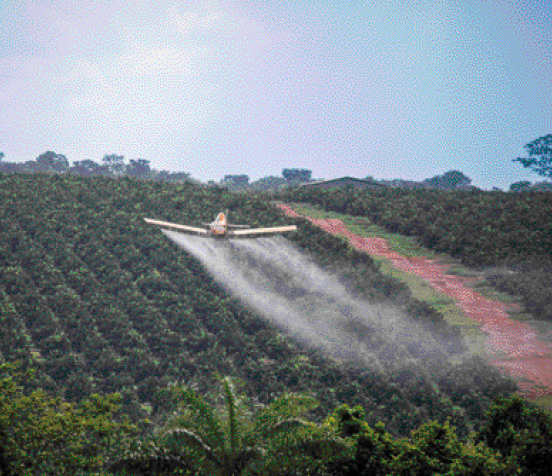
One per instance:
(514,346)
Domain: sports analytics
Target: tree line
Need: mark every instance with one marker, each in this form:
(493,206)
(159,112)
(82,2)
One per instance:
(225,434)
(112,165)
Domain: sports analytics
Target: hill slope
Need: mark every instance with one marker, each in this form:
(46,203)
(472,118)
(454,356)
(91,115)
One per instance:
(101,302)
(509,235)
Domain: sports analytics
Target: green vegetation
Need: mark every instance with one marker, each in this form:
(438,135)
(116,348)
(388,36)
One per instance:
(100,302)
(224,434)
(506,234)
(97,302)
(433,448)
(519,431)
(113,165)
(204,439)
(540,156)
(44,435)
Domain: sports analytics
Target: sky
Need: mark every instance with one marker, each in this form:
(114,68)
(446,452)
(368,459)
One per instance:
(387,89)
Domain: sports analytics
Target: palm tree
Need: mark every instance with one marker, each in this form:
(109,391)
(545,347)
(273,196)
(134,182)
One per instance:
(229,441)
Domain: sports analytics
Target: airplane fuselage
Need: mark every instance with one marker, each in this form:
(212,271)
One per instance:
(220,226)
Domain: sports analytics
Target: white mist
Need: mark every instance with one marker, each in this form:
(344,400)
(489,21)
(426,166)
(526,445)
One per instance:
(284,286)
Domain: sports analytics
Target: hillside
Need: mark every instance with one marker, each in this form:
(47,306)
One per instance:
(508,236)
(101,302)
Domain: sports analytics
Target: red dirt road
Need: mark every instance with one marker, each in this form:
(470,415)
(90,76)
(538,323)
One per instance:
(513,345)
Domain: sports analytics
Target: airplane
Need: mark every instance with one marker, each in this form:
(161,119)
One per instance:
(220,228)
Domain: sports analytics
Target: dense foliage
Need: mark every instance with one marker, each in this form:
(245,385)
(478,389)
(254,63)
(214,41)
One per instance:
(97,302)
(433,448)
(225,434)
(540,156)
(101,302)
(44,435)
(112,165)
(230,439)
(510,233)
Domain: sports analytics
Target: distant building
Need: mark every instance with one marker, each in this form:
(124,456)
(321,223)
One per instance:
(398,183)
(343,182)
(426,185)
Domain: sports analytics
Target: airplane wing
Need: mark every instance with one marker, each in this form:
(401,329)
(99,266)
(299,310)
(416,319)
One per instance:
(231,225)
(176,226)
(260,231)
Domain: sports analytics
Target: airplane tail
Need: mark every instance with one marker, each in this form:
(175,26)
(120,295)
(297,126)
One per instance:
(224,216)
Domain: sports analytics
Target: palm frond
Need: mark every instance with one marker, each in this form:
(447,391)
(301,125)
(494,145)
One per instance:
(286,426)
(159,461)
(287,407)
(224,441)
(182,438)
(204,419)
(230,397)
(298,437)
(292,405)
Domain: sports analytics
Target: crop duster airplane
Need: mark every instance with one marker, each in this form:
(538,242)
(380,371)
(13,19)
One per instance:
(220,228)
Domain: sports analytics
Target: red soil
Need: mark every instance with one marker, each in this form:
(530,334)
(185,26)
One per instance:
(514,346)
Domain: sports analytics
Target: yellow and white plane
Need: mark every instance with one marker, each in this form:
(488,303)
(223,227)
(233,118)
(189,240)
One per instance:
(220,228)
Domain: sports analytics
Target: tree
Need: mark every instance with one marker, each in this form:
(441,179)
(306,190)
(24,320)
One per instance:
(448,181)
(373,448)
(439,444)
(540,156)
(299,175)
(268,183)
(2,155)
(139,168)
(180,176)
(172,176)
(51,161)
(227,441)
(542,187)
(33,167)
(522,186)
(433,449)
(236,179)
(44,435)
(115,163)
(236,182)
(520,430)
(88,168)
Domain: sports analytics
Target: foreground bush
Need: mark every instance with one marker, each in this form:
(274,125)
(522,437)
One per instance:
(40,435)
(433,449)
(520,431)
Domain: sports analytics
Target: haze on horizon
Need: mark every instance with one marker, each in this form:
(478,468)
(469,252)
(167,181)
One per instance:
(383,89)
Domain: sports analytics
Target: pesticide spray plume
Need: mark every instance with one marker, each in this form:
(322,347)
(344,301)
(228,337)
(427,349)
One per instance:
(281,284)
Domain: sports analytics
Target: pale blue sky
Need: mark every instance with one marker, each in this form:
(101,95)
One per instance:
(391,89)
